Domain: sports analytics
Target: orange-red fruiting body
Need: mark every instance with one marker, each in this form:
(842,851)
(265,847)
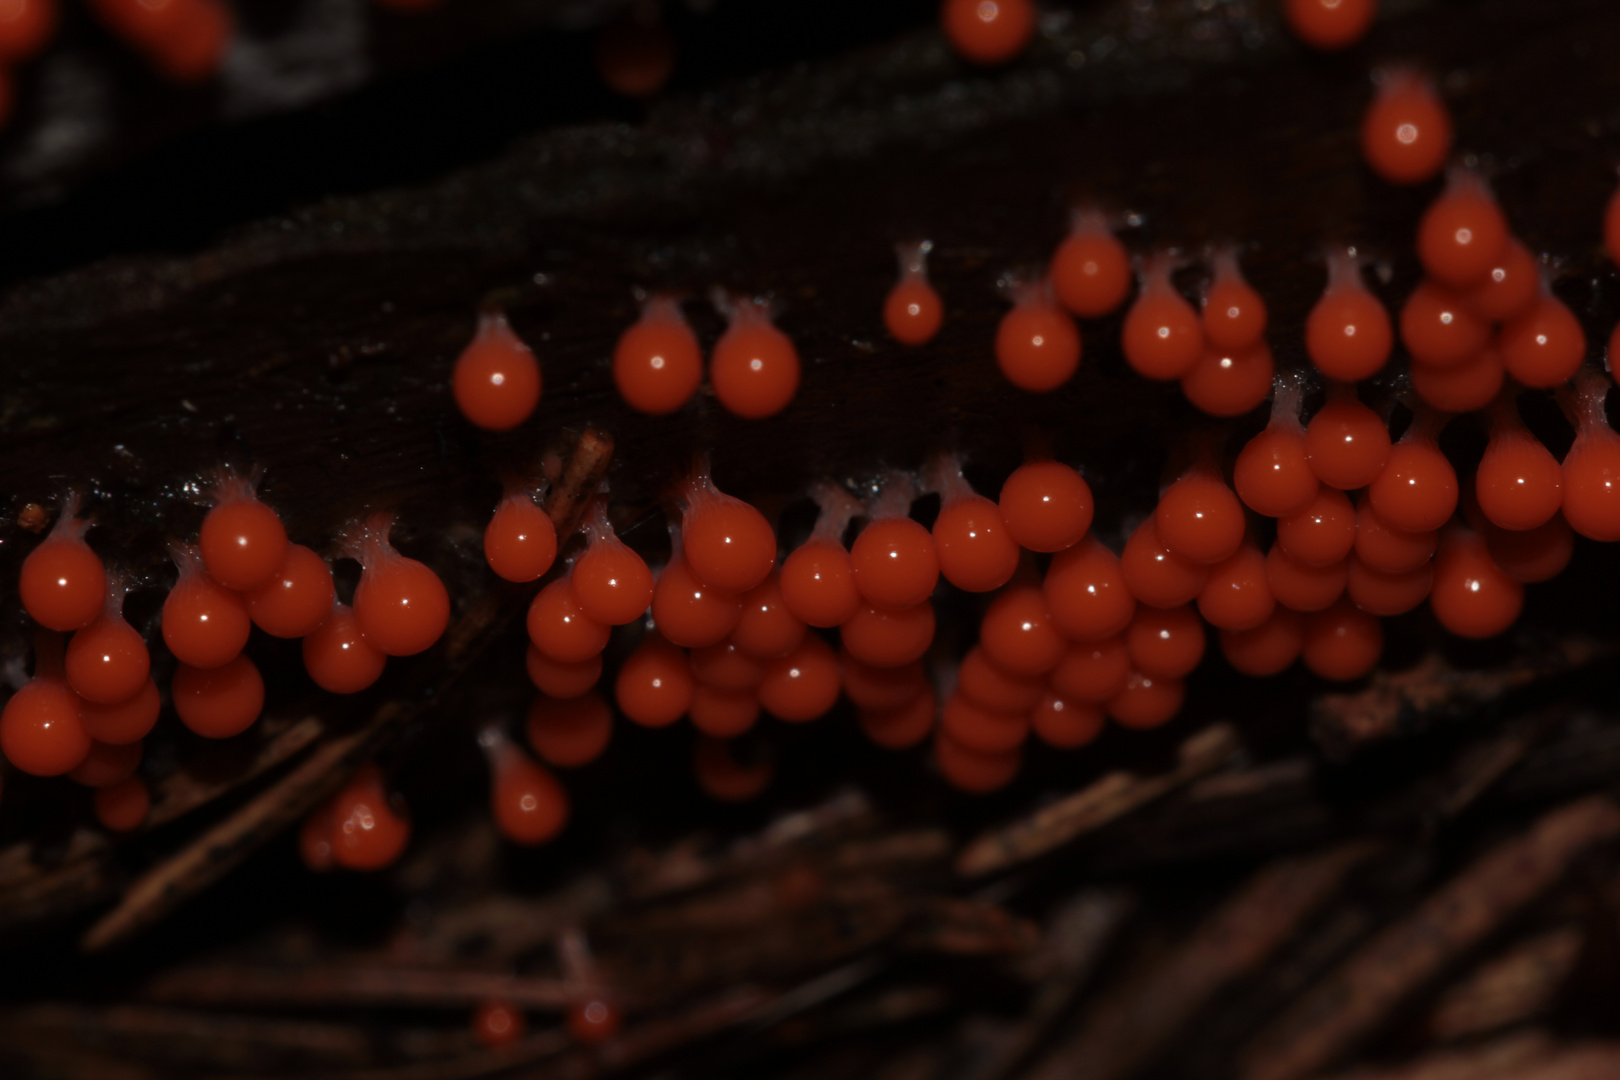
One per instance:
(401,605)
(1348,334)
(41,731)
(1342,641)
(1065,724)
(196,48)
(754,368)
(1198,516)
(367,833)
(1236,596)
(338,657)
(496,380)
(315,839)
(569,732)
(123,807)
(1038,346)
(528,804)
(26,27)
(1461,387)
(913,311)
(1090,271)
(1384,547)
(727,542)
(1162,337)
(142,23)
(690,613)
(107,661)
(218,702)
(1439,329)
(802,685)
(975,550)
(1086,592)
(520,542)
(242,540)
(1266,649)
(1472,597)
(610,582)
(988,32)
(296,599)
(657,364)
(635,52)
(893,559)
(1227,382)
(1592,466)
(726,667)
(879,689)
(1091,670)
(1508,287)
(1519,484)
(1046,506)
(1300,587)
(889,637)
(1234,314)
(205,625)
(767,628)
(1330,24)
(559,628)
(1272,474)
(1019,633)
(594,1022)
(818,583)
(1378,592)
(1165,643)
(1323,533)
(723,777)
(1146,702)
(980,729)
(1533,555)
(1346,443)
(63,584)
(1545,345)
(982,681)
(184,39)
(1156,575)
(123,721)
(496,1024)
(654,686)
(1406,130)
(971,771)
(724,714)
(1417,489)
(107,764)
(1462,233)
(903,726)
(1611,226)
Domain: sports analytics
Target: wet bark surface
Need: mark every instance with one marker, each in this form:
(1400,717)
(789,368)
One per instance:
(307,326)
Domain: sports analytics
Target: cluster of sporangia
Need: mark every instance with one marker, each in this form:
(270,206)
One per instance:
(729,631)
(92,698)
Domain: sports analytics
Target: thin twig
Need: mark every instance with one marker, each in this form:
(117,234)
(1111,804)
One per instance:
(181,793)
(1127,1027)
(1405,702)
(1353,1000)
(1509,989)
(1530,1055)
(1111,797)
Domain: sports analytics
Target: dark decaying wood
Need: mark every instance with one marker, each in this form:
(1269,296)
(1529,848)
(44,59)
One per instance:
(1409,878)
